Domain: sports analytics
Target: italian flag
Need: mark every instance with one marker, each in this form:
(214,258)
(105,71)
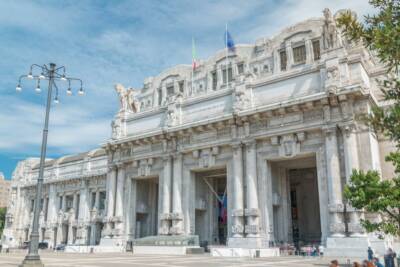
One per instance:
(194,63)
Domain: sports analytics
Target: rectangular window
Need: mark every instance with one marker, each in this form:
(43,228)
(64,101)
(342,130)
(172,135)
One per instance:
(230,75)
(283,59)
(41,204)
(60,202)
(102,200)
(46,209)
(227,77)
(181,86)
(159,96)
(32,205)
(93,200)
(316,49)
(240,68)
(214,80)
(69,202)
(299,54)
(170,90)
(78,199)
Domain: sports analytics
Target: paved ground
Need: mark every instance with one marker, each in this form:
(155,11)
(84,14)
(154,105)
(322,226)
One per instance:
(51,259)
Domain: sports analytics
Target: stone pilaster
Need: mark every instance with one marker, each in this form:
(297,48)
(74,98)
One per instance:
(351,159)
(119,198)
(334,182)
(252,211)
(166,197)
(237,199)
(110,187)
(177,216)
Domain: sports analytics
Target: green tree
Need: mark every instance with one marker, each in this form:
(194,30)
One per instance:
(2,220)
(381,34)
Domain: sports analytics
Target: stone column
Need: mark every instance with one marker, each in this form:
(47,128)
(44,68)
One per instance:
(119,199)
(351,162)
(177,216)
(110,187)
(334,182)
(97,200)
(237,200)
(166,197)
(252,212)
(75,204)
(64,203)
(309,52)
(128,209)
(289,56)
(44,208)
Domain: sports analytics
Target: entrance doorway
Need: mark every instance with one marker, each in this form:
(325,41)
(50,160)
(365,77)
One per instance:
(146,223)
(296,208)
(304,203)
(65,233)
(211,211)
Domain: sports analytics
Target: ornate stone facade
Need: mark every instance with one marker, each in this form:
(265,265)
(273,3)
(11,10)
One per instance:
(253,150)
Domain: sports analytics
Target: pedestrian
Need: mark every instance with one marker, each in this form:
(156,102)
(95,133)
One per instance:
(389,258)
(356,264)
(321,250)
(334,263)
(370,254)
(377,263)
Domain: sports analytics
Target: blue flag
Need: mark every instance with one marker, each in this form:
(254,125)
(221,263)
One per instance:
(229,41)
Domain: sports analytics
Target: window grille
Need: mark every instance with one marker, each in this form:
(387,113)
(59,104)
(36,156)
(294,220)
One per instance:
(283,59)
(299,54)
(316,49)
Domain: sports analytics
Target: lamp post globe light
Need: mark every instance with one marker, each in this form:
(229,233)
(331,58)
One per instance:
(51,74)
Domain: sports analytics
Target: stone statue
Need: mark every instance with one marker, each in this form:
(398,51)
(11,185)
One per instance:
(331,37)
(127,98)
(133,102)
(123,96)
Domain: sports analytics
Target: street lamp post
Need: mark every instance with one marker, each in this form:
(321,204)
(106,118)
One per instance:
(52,74)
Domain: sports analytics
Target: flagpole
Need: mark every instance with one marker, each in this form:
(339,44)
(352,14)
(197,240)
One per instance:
(226,55)
(192,65)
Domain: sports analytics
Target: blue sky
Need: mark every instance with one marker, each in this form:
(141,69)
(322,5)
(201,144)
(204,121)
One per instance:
(105,42)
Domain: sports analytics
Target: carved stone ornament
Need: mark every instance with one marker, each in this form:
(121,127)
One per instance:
(173,114)
(242,98)
(332,78)
(116,128)
(251,229)
(237,229)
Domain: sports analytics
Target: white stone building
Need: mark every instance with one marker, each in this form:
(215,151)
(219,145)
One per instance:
(250,150)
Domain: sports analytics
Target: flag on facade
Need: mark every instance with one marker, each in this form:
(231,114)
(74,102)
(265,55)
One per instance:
(229,43)
(194,63)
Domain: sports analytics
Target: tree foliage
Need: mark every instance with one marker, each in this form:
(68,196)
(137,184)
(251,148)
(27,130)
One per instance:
(2,220)
(381,34)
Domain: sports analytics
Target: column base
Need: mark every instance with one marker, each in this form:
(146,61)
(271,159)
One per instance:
(32,261)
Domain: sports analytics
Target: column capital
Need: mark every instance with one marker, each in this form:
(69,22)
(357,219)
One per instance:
(250,142)
(329,130)
(111,167)
(236,145)
(348,129)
